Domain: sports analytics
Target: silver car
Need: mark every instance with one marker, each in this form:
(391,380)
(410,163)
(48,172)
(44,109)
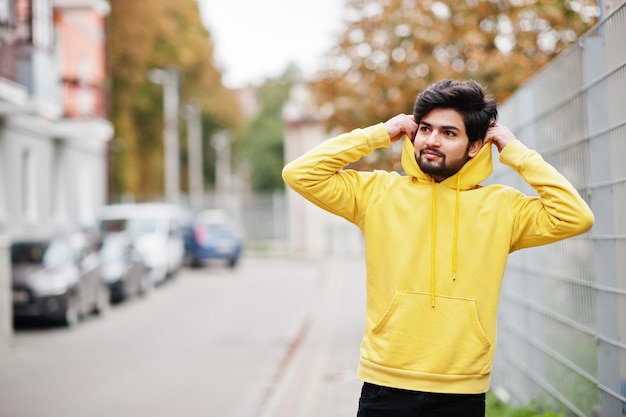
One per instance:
(123,267)
(59,279)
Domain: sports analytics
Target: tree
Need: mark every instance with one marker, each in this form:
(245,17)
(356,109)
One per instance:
(157,34)
(262,141)
(392,49)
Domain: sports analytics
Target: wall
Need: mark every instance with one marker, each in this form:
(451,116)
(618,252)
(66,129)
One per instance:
(6,305)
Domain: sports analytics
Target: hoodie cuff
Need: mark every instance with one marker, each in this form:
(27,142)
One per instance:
(377,136)
(513,154)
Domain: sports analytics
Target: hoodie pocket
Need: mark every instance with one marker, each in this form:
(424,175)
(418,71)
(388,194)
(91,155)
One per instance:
(447,339)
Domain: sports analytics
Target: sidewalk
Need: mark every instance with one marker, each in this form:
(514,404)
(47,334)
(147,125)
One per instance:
(318,373)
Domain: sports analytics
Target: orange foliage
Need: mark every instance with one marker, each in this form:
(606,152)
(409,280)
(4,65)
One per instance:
(392,49)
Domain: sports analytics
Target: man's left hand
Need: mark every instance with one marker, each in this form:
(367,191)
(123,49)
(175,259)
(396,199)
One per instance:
(500,135)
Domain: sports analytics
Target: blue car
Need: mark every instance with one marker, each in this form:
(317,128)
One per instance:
(212,234)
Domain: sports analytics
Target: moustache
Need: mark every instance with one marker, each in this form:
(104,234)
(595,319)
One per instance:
(431,151)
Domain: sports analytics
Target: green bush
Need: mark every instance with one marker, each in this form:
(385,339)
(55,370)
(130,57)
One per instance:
(496,408)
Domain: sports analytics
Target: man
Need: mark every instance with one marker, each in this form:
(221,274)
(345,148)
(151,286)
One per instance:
(436,244)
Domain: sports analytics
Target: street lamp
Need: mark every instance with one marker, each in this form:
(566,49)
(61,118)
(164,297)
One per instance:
(194,138)
(168,78)
(221,143)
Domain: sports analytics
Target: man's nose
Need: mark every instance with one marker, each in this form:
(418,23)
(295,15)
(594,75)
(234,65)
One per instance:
(433,139)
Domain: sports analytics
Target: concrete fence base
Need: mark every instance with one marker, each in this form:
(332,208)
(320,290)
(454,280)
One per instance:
(6,301)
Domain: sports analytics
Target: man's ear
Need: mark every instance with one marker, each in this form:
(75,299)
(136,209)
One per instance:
(474,147)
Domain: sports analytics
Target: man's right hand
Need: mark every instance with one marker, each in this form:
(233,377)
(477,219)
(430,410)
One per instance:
(401,125)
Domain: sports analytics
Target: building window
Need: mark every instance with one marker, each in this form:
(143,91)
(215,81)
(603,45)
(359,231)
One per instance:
(7,21)
(6,12)
(8,26)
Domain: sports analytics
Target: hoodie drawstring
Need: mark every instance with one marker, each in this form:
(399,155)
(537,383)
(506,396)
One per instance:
(456,226)
(433,239)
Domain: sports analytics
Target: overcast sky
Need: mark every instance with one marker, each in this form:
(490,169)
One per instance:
(255,39)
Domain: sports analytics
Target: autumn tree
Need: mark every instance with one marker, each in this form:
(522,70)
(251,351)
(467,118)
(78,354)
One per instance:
(392,49)
(141,36)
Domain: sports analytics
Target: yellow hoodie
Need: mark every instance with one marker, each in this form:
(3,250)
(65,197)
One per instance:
(435,252)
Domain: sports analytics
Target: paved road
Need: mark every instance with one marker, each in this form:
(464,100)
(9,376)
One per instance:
(272,338)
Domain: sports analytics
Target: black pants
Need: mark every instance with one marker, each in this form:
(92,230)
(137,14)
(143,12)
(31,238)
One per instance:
(377,401)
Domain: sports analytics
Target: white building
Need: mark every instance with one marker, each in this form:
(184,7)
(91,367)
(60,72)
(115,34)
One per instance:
(312,231)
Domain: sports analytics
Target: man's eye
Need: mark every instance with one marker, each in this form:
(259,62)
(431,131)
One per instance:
(449,133)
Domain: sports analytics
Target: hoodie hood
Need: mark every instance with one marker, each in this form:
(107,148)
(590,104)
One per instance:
(476,170)
(468,177)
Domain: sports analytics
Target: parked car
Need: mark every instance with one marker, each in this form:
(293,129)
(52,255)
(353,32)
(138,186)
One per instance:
(57,279)
(156,232)
(213,234)
(123,267)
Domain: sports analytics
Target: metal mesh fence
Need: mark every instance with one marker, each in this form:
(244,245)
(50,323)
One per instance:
(562,324)
(262,216)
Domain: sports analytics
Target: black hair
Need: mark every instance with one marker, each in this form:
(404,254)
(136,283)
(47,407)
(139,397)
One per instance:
(478,108)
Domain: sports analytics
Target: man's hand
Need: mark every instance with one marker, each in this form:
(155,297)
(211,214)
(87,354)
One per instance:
(401,125)
(500,135)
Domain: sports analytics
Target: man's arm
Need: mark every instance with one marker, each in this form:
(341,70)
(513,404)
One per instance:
(558,213)
(318,176)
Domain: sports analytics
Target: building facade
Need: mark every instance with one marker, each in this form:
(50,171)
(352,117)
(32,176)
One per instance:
(53,126)
(54,131)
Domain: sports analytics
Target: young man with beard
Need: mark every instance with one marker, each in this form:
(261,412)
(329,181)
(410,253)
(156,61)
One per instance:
(436,244)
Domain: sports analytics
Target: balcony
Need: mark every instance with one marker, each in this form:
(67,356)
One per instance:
(83,100)
(13,95)
(8,61)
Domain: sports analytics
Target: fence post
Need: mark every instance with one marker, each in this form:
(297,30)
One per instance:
(602,205)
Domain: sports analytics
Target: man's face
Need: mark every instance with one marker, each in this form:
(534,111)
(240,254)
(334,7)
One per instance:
(441,144)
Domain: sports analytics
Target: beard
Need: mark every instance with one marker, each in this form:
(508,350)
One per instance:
(439,169)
